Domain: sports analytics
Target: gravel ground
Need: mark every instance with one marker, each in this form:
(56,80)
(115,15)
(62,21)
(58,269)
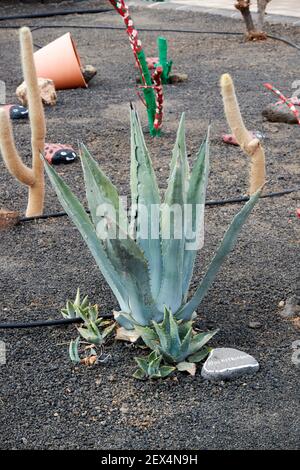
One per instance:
(45,402)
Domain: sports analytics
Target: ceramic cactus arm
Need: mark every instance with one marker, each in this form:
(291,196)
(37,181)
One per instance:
(252,147)
(33,178)
(10,155)
(162,44)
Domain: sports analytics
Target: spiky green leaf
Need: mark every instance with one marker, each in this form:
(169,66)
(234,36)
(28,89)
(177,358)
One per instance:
(139,374)
(226,246)
(200,355)
(146,202)
(101,194)
(172,223)
(73,350)
(129,261)
(166,370)
(194,214)
(76,212)
(142,363)
(200,339)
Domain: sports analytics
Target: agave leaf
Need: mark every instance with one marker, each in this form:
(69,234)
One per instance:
(139,374)
(148,335)
(76,212)
(146,200)
(163,336)
(183,328)
(100,191)
(142,363)
(73,350)
(166,370)
(179,151)
(194,221)
(166,356)
(175,342)
(124,319)
(170,294)
(189,367)
(90,335)
(108,330)
(93,327)
(199,340)
(226,246)
(81,313)
(186,343)
(153,365)
(200,355)
(85,302)
(153,356)
(92,313)
(129,261)
(77,298)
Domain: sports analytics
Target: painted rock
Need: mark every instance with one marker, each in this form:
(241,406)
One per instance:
(16,111)
(56,154)
(227,363)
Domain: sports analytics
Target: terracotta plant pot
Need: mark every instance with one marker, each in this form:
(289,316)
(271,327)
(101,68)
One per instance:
(60,61)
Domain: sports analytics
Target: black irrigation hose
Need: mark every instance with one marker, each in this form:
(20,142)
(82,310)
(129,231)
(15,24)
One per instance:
(40,323)
(47,14)
(237,200)
(149,30)
(35,324)
(220,202)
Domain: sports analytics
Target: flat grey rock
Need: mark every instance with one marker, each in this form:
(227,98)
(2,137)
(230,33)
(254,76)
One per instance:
(227,363)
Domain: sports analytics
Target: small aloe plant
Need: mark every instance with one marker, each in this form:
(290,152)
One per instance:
(176,342)
(149,273)
(73,309)
(94,331)
(150,367)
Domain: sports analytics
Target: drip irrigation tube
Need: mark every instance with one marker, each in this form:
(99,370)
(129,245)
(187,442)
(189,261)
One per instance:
(47,14)
(150,30)
(221,202)
(41,324)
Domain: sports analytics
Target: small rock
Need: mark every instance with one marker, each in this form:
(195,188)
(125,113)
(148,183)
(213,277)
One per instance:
(255,325)
(281,304)
(24,440)
(292,307)
(227,363)
(47,91)
(88,71)
(178,77)
(124,409)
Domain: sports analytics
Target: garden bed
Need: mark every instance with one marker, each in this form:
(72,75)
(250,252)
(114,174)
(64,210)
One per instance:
(46,402)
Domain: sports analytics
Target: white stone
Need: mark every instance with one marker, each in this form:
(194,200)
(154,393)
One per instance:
(227,363)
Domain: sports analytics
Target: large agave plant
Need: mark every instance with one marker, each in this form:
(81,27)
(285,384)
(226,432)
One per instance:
(148,273)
